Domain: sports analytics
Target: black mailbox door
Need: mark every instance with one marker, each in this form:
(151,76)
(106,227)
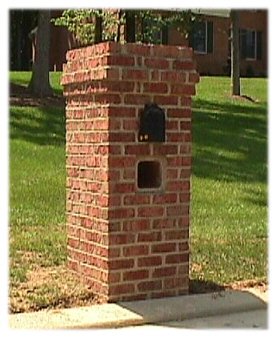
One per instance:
(152,124)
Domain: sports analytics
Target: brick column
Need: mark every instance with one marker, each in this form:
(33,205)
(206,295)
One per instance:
(128,242)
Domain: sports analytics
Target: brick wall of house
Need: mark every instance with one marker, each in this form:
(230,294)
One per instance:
(215,63)
(256,21)
(128,242)
(218,62)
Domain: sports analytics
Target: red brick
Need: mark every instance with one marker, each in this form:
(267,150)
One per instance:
(122,112)
(130,124)
(121,213)
(149,236)
(135,74)
(150,211)
(183,65)
(120,264)
(184,246)
(176,258)
(164,223)
(149,261)
(186,101)
(163,247)
(136,99)
(163,272)
(159,63)
(173,76)
(164,149)
(179,161)
(137,250)
(176,210)
(114,277)
(135,275)
(122,187)
(120,60)
(123,238)
(150,285)
(155,76)
(172,125)
(153,87)
(137,149)
(136,199)
(73,243)
(118,86)
(171,283)
(122,136)
(107,98)
(178,186)
(137,49)
(136,225)
(176,235)
(184,197)
(194,77)
(166,100)
(165,198)
(122,162)
(172,174)
(179,112)
(182,89)
(129,174)
(121,289)
(176,137)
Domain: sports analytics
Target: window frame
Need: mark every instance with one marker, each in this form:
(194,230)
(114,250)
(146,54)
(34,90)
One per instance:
(244,48)
(208,36)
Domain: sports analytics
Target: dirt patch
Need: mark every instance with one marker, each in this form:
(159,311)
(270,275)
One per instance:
(21,96)
(262,286)
(245,98)
(51,288)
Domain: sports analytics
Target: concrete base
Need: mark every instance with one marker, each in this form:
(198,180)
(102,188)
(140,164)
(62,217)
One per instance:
(141,312)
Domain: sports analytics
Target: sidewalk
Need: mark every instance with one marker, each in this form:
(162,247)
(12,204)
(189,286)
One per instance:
(182,311)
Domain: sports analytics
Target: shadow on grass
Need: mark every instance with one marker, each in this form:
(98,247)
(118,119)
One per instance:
(204,286)
(230,141)
(40,125)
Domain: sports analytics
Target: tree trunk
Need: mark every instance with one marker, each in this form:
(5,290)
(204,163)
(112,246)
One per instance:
(235,53)
(130,27)
(39,84)
(98,29)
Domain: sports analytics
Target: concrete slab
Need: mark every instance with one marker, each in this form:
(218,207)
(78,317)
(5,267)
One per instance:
(240,320)
(141,312)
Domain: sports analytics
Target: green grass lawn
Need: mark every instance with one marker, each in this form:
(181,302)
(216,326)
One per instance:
(229,182)
(37,182)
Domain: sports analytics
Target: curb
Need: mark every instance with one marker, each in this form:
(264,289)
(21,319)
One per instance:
(140,312)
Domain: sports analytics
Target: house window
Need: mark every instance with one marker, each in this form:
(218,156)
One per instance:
(201,37)
(251,44)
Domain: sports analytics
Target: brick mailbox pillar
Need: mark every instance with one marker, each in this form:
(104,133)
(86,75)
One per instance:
(128,194)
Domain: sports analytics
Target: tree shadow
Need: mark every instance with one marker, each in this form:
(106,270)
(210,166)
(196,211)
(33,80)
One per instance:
(34,119)
(20,95)
(230,141)
(40,125)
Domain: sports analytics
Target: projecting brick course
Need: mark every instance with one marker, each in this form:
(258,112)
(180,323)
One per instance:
(128,242)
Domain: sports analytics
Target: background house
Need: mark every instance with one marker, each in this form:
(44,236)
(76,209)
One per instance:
(210,39)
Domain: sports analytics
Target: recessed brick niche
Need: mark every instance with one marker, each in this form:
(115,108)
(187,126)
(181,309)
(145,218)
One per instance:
(128,199)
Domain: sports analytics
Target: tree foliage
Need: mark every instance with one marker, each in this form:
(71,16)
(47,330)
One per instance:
(146,24)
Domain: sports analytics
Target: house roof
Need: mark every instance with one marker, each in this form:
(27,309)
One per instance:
(224,13)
